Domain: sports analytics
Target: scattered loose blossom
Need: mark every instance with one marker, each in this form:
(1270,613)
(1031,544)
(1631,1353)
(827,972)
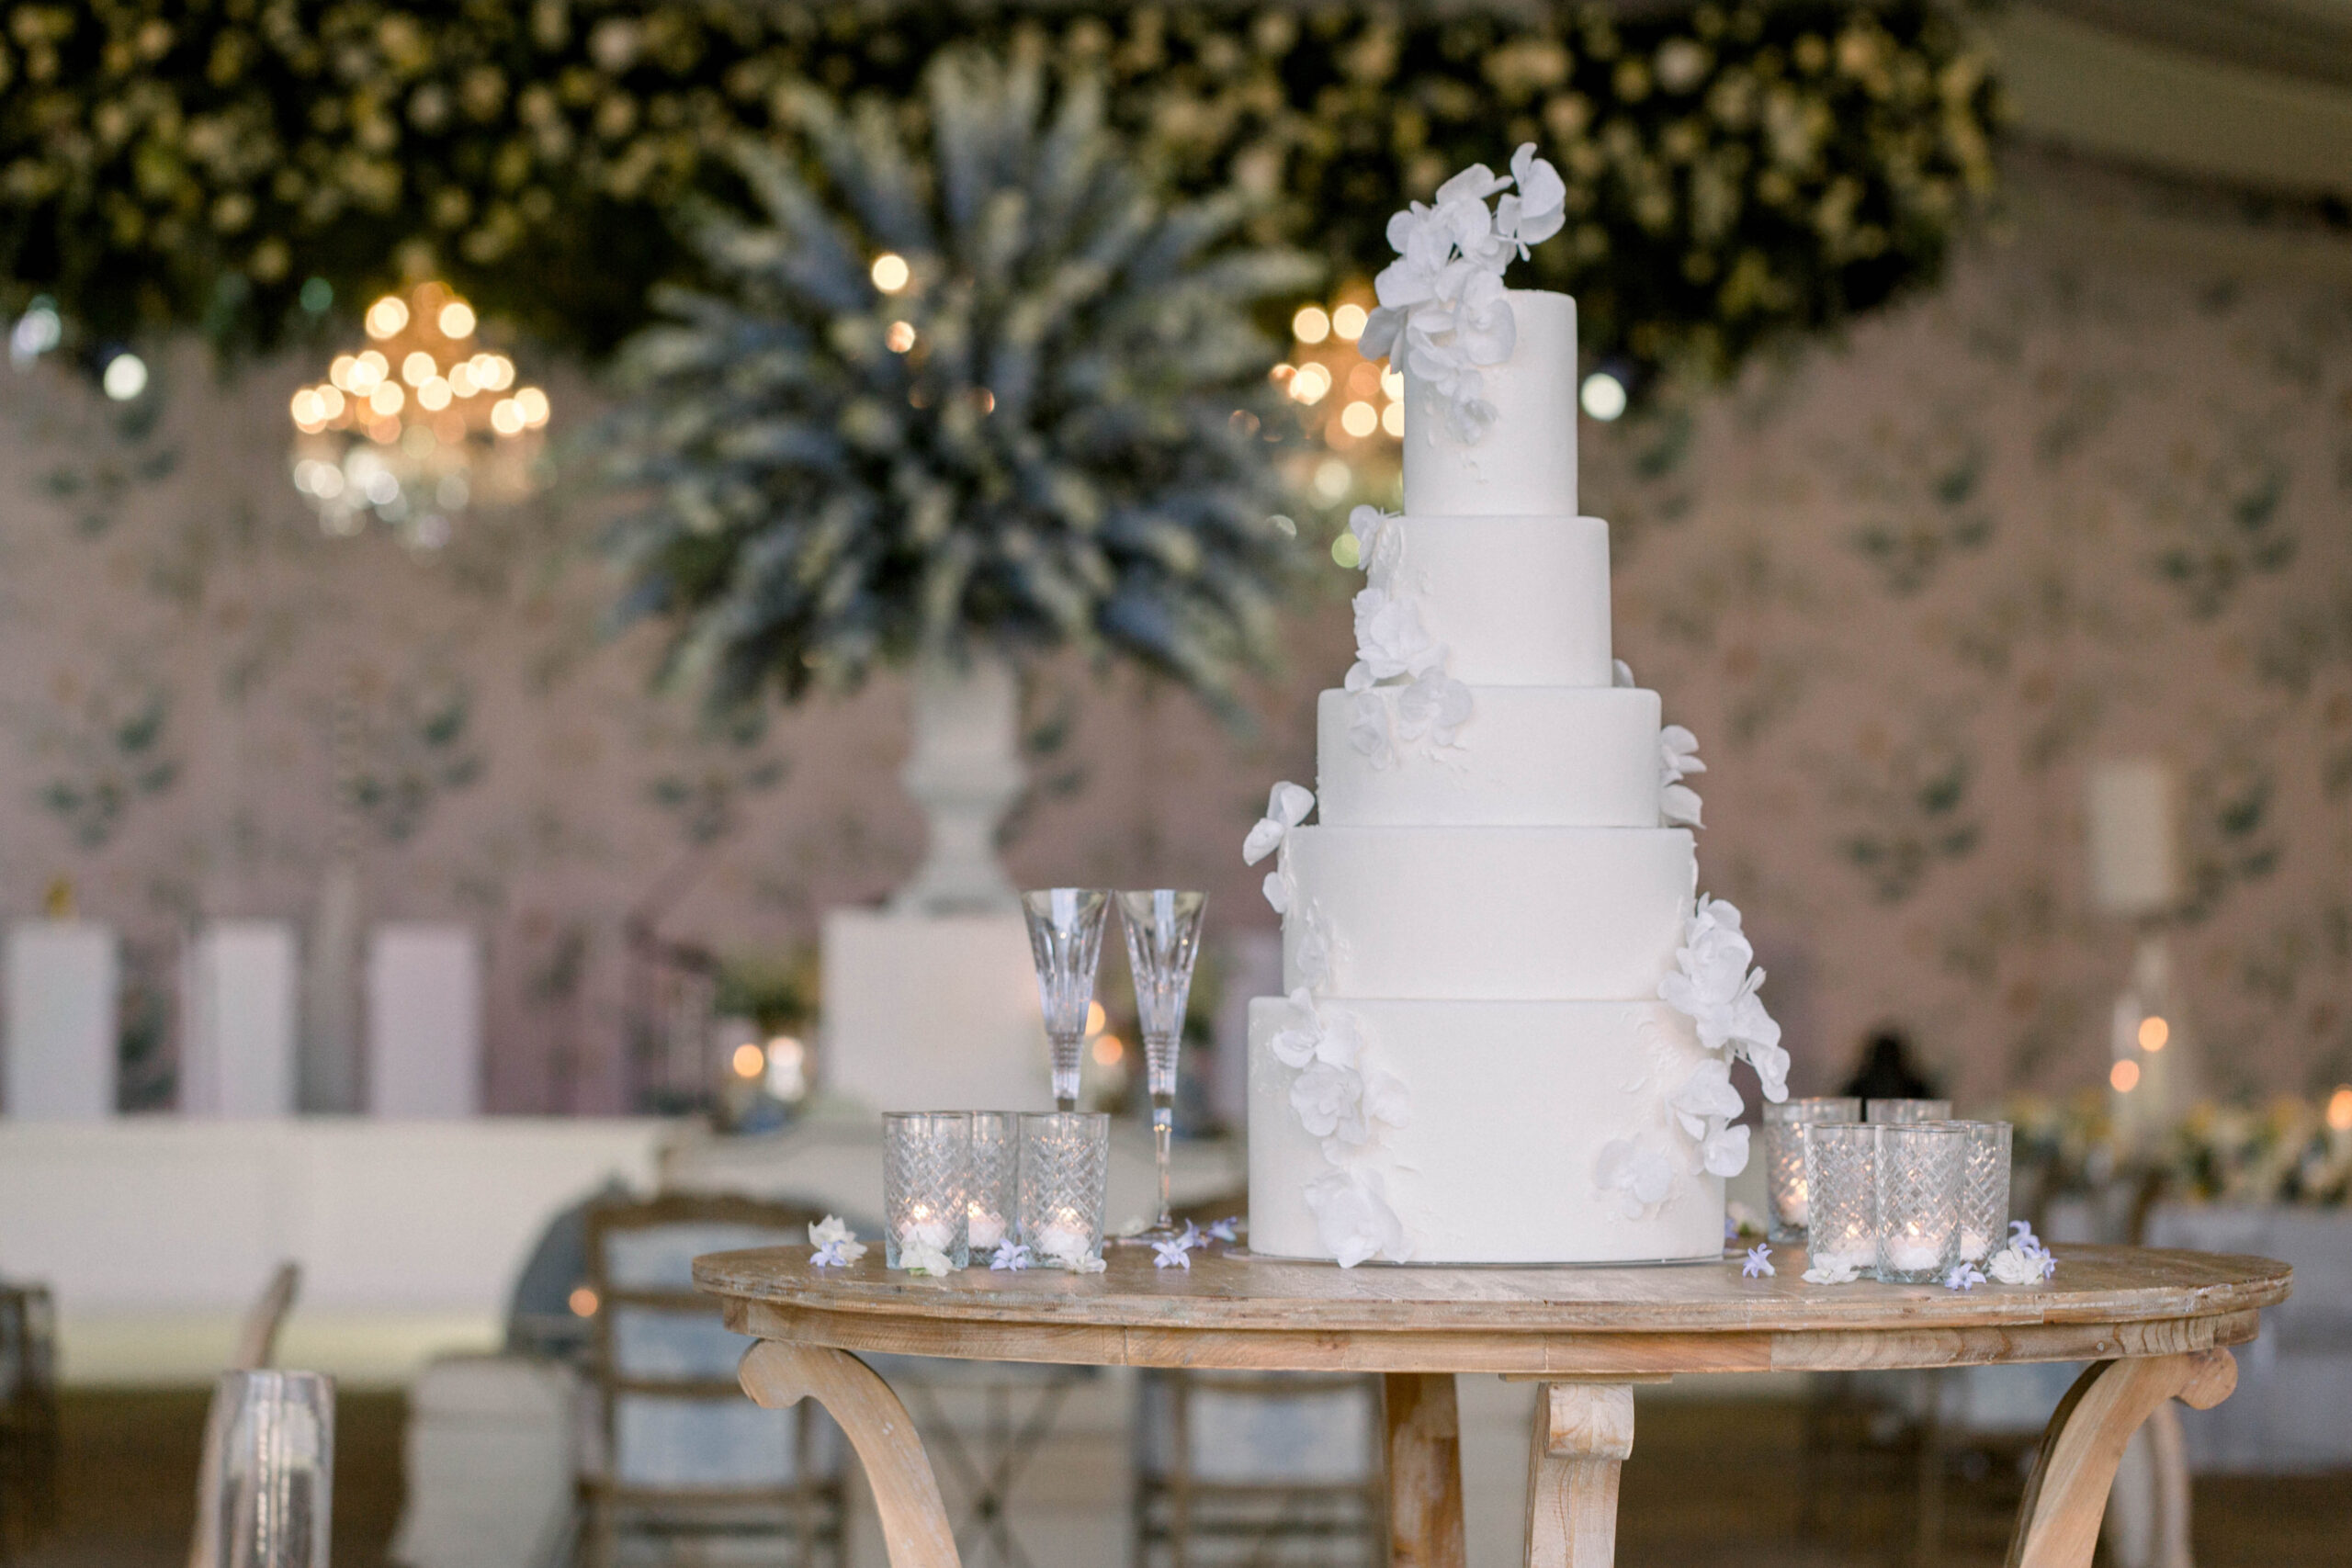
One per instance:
(2024,1261)
(1192,1237)
(837,1246)
(1010,1256)
(1833,1274)
(1286,808)
(922,1256)
(1964,1276)
(1678,758)
(1227,1230)
(1441,301)
(1172,1253)
(1758,1262)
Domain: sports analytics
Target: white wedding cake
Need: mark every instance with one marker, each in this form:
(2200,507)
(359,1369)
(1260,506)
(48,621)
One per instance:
(1511,1021)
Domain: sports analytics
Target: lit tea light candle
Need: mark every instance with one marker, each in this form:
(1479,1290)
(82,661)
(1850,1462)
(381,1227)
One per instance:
(1793,1207)
(1975,1245)
(925,1227)
(986,1227)
(1912,1253)
(1856,1258)
(1065,1238)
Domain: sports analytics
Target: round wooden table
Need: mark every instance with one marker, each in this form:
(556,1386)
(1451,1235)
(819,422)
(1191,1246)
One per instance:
(2156,1325)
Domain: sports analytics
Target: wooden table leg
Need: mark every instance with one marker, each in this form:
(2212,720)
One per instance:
(777,1374)
(2066,1495)
(1583,1432)
(1424,1471)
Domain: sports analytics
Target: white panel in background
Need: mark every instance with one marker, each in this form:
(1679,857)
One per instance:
(424,1021)
(926,1011)
(62,1027)
(2134,837)
(237,1020)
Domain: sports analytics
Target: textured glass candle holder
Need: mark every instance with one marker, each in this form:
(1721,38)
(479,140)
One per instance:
(1163,929)
(926,1177)
(1902,1112)
(993,1200)
(1840,1177)
(1919,1167)
(270,1504)
(1065,1178)
(1784,1157)
(1066,944)
(1984,1189)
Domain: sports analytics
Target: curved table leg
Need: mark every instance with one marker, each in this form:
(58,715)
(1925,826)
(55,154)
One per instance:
(1583,1432)
(1424,1471)
(2066,1495)
(777,1374)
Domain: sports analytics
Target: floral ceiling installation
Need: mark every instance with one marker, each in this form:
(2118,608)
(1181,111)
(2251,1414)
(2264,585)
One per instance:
(1729,174)
(983,389)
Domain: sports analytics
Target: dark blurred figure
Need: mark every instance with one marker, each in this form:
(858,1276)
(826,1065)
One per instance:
(1887,1072)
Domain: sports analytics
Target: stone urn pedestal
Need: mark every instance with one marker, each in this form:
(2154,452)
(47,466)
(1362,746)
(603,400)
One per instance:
(931,1002)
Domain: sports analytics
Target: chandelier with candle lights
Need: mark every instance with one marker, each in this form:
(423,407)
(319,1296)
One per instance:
(417,427)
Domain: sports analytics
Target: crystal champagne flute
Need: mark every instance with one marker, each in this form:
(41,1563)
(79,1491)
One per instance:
(1066,941)
(1163,929)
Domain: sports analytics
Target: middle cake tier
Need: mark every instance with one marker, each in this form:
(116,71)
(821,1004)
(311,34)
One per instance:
(1530,756)
(1507,914)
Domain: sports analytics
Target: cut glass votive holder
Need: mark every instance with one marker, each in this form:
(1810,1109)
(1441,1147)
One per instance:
(926,1174)
(1784,1157)
(1902,1112)
(1918,1182)
(992,1203)
(1984,1189)
(1841,1174)
(1065,1178)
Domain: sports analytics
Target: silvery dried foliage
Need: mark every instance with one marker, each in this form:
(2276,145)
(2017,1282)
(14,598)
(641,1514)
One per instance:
(1065,453)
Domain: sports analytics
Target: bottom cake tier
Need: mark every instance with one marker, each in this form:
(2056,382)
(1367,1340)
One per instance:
(1477,1132)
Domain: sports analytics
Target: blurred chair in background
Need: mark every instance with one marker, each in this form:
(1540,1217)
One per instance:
(680,1457)
(28,1416)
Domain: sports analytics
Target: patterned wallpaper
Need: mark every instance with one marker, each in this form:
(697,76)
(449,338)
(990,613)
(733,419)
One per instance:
(2088,501)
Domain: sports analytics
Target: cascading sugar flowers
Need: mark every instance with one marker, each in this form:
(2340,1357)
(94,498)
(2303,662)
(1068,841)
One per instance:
(1443,298)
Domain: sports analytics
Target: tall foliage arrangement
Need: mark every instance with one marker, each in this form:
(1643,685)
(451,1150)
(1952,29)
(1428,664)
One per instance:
(1030,425)
(1734,170)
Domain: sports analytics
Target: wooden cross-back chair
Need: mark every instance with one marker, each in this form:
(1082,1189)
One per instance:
(685,1455)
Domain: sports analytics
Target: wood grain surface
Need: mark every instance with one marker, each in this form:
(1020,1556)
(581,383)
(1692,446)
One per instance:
(1230,1311)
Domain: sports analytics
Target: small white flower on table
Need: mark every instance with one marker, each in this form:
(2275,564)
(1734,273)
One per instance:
(1833,1274)
(2024,1261)
(837,1246)
(1759,1263)
(1011,1256)
(917,1255)
(1173,1254)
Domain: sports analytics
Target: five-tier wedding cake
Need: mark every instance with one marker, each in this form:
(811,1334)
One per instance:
(1511,1021)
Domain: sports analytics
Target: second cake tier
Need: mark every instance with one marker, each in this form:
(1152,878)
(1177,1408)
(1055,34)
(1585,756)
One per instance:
(1534,914)
(1530,756)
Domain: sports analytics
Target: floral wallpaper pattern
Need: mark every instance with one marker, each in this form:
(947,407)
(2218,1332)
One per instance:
(2082,502)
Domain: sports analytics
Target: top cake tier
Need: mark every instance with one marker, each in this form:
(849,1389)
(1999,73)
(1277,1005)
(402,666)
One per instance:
(1525,463)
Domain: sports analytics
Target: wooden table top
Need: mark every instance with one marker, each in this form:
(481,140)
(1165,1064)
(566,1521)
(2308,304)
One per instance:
(1236,1311)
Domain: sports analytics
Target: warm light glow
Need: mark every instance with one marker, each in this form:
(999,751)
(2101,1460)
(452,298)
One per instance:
(900,337)
(1392,383)
(386,316)
(2339,1108)
(1348,320)
(749,1061)
(418,369)
(788,1068)
(1096,1018)
(506,417)
(1333,479)
(1310,383)
(124,377)
(1311,324)
(582,1302)
(493,372)
(339,373)
(461,380)
(331,401)
(1603,396)
(1348,550)
(891,272)
(387,400)
(1358,419)
(1392,418)
(534,404)
(366,374)
(2125,1078)
(1108,1050)
(309,409)
(456,319)
(2153,1032)
(432,395)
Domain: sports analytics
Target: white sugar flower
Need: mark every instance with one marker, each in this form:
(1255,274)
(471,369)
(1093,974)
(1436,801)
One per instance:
(1286,808)
(1715,988)
(1391,639)
(1313,955)
(1380,546)
(1353,1217)
(1620,673)
(1434,706)
(1724,1151)
(1325,1034)
(1678,756)
(1639,1178)
(1329,1102)
(1276,889)
(919,1255)
(1368,729)
(837,1246)
(1538,210)
(1706,1095)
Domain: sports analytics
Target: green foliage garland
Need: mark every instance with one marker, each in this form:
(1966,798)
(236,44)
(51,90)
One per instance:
(1735,171)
